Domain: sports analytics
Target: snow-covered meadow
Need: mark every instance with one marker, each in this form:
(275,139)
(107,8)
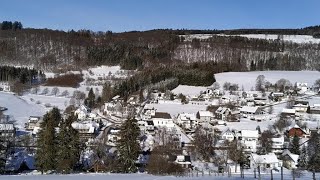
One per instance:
(19,108)
(248,79)
(300,39)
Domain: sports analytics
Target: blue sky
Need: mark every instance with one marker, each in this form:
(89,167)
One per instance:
(127,15)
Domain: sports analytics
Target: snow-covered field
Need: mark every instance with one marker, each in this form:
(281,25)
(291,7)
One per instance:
(189,90)
(19,108)
(248,79)
(289,38)
(96,72)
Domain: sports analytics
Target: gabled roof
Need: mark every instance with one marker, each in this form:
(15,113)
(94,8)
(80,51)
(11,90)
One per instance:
(306,131)
(187,116)
(265,159)
(288,111)
(162,115)
(293,157)
(222,110)
(250,133)
(205,114)
(249,109)
(227,131)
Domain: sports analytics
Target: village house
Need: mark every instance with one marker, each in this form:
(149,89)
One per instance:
(265,162)
(222,112)
(204,116)
(301,106)
(228,135)
(183,160)
(315,109)
(277,144)
(147,127)
(290,160)
(7,130)
(32,122)
(296,130)
(113,136)
(116,108)
(246,111)
(82,112)
(302,87)
(276,96)
(288,112)
(148,113)
(188,120)
(87,129)
(162,119)
(248,139)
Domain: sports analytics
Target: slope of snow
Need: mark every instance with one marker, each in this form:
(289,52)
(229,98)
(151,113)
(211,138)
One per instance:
(248,79)
(188,90)
(19,108)
(289,38)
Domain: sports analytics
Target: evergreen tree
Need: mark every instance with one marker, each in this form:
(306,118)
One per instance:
(107,92)
(295,145)
(303,158)
(2,154)
(91,99)
(69,148)
(47,142)
(128,146)
(314,152)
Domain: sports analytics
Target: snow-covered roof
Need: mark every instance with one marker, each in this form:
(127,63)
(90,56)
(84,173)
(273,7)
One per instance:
(90,126)
(205,114)
(265,159)
(6,127)
(278,139)
(222,110)
(227,131)
(187,116)
(288,111)
(294,157)
(250,133)
(249,109)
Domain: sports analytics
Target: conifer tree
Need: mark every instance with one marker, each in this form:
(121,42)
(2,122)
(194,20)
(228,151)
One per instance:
(2,154)
(128,146)
(314,152)
(303,158)
(295,145)
(47,142)
(91,99)
(107,92)
(69,148)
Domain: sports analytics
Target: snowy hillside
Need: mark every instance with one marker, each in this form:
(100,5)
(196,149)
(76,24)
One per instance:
(189,90)
(289,38)
(19,108)
(248,79)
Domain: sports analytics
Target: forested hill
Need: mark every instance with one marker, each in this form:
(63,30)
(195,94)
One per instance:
(51,49)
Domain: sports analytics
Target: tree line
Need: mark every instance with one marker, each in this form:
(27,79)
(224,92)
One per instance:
(22,74)
(9,25)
